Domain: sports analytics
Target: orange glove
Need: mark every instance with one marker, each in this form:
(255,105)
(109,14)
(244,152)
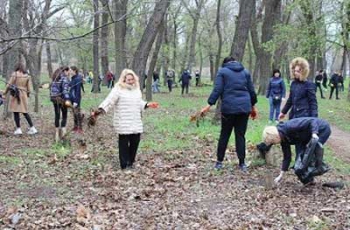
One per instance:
(254,113)
(153,105)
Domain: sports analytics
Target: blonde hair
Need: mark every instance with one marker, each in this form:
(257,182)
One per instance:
(304,66)
(121,82)
(271,135)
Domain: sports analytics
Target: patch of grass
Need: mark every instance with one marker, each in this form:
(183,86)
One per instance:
(336,163)
(12,160)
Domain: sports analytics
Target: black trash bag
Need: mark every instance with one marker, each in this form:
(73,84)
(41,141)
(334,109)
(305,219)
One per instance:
(305,163)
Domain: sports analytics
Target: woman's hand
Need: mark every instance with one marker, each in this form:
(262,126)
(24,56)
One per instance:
(205,109)
(281,116)
(153,105)
(279,178)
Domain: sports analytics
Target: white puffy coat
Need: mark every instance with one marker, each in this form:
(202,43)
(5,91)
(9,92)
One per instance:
(128,106)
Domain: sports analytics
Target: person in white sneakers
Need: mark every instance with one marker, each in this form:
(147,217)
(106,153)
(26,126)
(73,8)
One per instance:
(19,87)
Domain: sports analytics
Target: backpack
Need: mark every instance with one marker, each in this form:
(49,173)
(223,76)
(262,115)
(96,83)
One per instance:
(55,90)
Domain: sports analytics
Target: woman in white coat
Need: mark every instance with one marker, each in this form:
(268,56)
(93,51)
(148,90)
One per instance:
(126,99)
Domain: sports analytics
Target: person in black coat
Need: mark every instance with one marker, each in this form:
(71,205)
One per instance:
(75,96)
(299,131)
(233,84)
(324,79)
(185,81)
(318,82)
(333,83)
(302,100)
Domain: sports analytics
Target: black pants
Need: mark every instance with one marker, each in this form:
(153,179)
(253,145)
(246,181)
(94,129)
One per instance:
(128,145)
(184,86)
(197,81)
(18,119)
(239,123)
(336,92)
(170,85)
(318,85)
(58,109)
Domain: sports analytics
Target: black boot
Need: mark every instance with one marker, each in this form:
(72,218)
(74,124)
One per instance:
(320,167)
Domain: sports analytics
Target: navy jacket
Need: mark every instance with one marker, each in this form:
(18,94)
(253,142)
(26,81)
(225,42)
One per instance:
(185,78)
(276,87)
(299,131)
(75,89)
(234,86)
(335,79)
(302,100)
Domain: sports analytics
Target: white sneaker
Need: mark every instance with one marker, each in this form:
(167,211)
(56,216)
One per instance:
(18,131)
(32,131)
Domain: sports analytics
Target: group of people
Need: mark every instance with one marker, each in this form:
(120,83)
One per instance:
(233,85)
(65,92)
(336,83)
(170,80)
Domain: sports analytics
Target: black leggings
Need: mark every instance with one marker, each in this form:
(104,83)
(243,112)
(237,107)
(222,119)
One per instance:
(18,119)
(128,145)
(58,108)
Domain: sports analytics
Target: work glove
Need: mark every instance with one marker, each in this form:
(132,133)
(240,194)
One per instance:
(279,178)
(75,105)
(315,137)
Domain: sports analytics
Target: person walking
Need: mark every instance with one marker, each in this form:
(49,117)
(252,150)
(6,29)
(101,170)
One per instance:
(60,98)
(126,101)
(233,84)
(170,75)
(318,82)
(198,77)
(333,83)
(155,85)
(185,81)
(276,90)
(20,86)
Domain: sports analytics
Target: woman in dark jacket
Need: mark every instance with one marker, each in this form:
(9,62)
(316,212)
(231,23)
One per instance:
(234,86)
(302,100)
(276,90)
(75,96)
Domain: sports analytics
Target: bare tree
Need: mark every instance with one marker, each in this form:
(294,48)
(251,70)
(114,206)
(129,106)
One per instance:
(95,48)
(148,37)
(120,12)
(246,8)
(104,37)
(218,31)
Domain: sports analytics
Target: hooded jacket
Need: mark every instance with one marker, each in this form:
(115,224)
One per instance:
(234,86)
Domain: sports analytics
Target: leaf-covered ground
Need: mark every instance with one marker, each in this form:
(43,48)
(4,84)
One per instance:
(80,186)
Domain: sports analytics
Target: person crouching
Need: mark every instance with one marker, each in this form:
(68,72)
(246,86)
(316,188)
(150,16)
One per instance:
(300,131)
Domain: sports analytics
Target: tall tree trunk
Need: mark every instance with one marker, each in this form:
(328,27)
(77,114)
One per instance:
(246,9)
(185,53)
(104,38)
(272,15)
(95,48)
(211,66)
(14,30)
(218,31)
(195,16)
(49,59)
(153,62)
(120,10)
(165,49)
(145,45)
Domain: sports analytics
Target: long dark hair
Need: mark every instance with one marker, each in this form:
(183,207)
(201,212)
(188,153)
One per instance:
(56,76)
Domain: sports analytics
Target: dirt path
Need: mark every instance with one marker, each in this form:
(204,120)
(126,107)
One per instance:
(339,141)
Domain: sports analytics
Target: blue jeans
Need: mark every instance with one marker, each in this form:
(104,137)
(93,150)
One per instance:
(274,109)
(155,87)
